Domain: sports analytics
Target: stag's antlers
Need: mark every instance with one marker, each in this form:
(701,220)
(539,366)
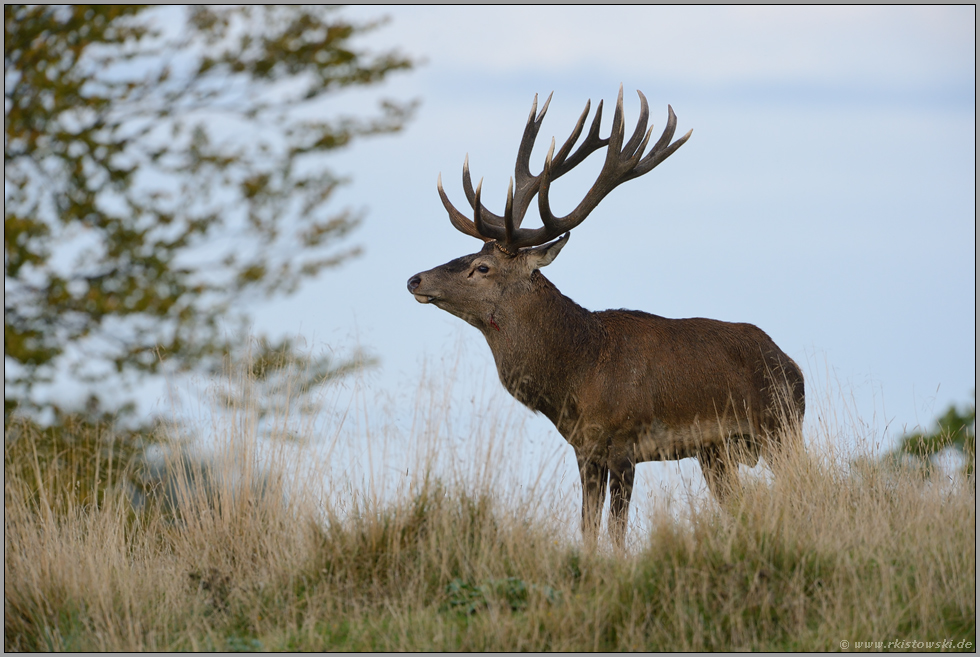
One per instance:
(623,162)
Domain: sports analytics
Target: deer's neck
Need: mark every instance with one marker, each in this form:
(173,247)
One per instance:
(544,344)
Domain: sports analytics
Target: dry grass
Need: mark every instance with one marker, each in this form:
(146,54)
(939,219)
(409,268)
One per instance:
(230,555)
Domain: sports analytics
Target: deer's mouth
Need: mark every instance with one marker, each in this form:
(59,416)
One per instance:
(423,298)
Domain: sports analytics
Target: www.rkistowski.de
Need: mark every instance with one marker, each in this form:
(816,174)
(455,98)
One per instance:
(945,644)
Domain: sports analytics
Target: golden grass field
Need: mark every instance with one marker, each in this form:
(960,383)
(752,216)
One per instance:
(256,547)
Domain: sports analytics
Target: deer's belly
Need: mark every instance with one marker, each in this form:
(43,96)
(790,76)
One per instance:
(659,442)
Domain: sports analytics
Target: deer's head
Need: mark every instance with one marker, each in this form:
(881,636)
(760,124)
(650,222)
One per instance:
(473,287)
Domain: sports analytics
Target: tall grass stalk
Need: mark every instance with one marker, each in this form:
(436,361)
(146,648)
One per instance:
(409,539)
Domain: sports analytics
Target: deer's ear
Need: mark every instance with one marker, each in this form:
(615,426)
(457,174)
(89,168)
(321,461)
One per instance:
(541,256)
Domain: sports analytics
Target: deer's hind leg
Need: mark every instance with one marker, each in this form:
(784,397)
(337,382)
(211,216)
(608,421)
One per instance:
(720,471)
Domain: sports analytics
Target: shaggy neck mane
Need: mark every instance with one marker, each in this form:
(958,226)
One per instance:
(531,335)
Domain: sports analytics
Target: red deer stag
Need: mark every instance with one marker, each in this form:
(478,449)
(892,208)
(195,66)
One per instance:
(621,386)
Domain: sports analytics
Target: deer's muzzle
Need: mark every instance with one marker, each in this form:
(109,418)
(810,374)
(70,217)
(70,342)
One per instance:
(413,284)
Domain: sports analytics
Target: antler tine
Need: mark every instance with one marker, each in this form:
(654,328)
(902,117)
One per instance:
(618,133)
(467,182)
(523,167)
(669,129)
(486,230)
(470,196)
(544,109)
(591,144)
(572,138)
(457,218)
(544,203)
(643,146)
(641,127)
(660,150)
(509,210)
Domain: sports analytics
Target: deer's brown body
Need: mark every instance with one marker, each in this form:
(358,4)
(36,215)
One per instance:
(621,386)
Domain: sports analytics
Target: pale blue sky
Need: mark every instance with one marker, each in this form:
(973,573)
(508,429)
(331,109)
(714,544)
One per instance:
(827,193)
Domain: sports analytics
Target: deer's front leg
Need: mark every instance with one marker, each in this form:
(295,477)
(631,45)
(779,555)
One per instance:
(622,469)
(593,473)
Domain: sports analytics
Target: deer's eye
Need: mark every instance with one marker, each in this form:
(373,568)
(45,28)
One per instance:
(483,269)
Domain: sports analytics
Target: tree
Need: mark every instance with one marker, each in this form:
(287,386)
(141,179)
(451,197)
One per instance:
(137,220)
(955,430)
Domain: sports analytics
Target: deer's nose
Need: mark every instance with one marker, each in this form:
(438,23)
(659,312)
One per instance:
(414,282)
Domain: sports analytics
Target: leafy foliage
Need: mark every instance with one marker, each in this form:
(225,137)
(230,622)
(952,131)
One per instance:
(136,218)
(955,430)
